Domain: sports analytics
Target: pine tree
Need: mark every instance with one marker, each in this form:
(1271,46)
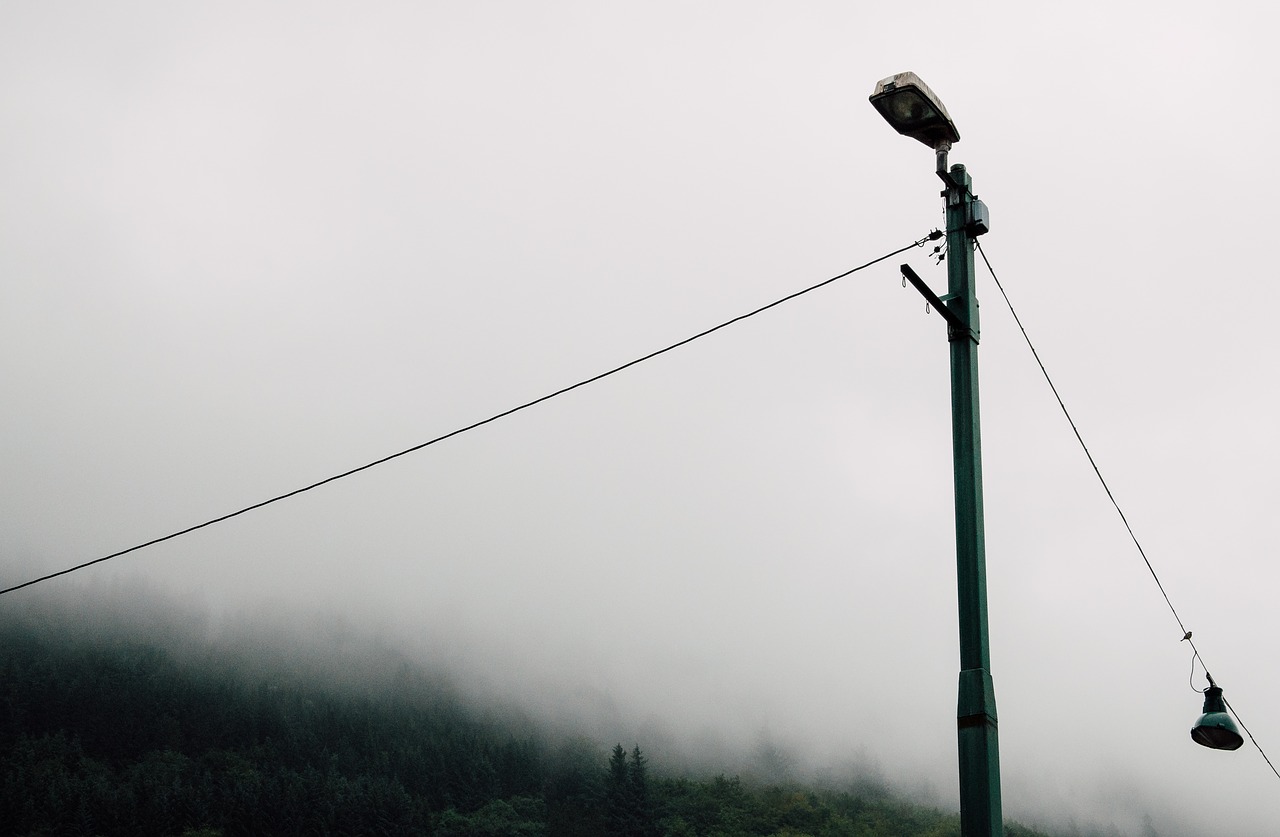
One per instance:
(642,807)
(628,811)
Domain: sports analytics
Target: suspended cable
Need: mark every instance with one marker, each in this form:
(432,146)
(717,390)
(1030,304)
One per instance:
(1186,635)
(1251,738)
(473,426)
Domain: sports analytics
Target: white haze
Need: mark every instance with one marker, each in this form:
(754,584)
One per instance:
(245,246)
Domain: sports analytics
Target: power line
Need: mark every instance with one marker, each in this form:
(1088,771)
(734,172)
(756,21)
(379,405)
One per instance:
(473,426)
(1251,738)
(1085,447)
(1186,635)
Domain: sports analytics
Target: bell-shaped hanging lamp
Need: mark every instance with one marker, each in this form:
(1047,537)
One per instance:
(1215,728)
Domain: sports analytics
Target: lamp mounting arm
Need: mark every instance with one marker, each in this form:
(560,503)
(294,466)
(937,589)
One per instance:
(955,325)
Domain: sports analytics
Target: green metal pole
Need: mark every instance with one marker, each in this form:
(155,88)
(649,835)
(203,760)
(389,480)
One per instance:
(980,811)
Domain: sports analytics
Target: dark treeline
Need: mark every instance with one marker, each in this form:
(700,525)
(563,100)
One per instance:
(116,735)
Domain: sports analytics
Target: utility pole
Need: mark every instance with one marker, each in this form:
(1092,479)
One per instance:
(980,810)
(913,110)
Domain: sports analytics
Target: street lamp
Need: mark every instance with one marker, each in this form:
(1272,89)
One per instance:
(915,111)
(1215,729)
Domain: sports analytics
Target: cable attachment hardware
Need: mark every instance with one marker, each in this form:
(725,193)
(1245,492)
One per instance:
(1195,658)
(933,235)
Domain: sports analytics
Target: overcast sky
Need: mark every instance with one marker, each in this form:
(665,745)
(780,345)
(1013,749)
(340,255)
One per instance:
(244,246)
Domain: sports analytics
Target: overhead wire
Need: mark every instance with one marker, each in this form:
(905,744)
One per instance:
(1251,738)
(295,492)
(563,390)
(1186,634)
(1105,487)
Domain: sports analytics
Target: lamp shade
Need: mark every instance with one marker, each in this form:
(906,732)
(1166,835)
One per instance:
(914,110)
(1215,728)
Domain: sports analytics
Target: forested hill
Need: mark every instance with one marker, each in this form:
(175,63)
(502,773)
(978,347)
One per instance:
(125,735)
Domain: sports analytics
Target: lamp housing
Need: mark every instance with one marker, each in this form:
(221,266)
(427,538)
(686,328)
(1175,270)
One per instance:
(915,111)
(1215,729)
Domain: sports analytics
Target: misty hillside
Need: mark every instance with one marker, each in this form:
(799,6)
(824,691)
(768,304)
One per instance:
(122,727)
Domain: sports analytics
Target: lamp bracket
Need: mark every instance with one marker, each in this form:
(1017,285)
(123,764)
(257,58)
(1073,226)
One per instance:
(957,328)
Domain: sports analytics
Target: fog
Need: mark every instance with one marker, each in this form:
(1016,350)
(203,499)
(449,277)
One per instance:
(247,247)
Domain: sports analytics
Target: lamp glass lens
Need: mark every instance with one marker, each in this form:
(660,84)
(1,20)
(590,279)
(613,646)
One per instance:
(909,108)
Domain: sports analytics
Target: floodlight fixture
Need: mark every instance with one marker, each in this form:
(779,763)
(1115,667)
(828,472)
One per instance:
(915,111)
